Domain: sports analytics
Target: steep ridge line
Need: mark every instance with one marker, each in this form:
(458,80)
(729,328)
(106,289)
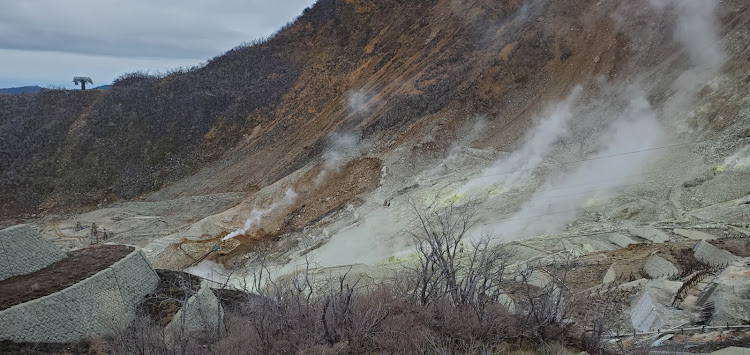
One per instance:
(279,100)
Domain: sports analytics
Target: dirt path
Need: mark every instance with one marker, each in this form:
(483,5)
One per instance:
(60,234)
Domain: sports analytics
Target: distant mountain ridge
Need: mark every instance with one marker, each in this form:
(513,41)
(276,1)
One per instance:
(35,88)
(21,90)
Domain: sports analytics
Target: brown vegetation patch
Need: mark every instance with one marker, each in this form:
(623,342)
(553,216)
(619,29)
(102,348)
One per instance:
(8,347)
(281,109)
(243,244)
(77,266)
(507,51)
(736,246)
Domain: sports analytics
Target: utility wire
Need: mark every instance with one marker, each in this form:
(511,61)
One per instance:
(581,161)
(588,159)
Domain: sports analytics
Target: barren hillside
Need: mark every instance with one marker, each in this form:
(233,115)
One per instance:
(599,149)
(378,68)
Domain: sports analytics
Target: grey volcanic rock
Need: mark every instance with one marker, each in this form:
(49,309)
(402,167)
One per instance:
(651,309)
(694,234)
(732,295)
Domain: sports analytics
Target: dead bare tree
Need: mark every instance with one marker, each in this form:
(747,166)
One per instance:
(282,313)
(456,276)
(439,240)
(599,315)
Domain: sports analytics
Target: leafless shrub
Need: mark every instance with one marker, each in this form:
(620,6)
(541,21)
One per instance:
(452,280)
(472,276)
(133,77)
(143,336)
(456,299)
(336,316)
(236,339)
(599,315)
(55,87)
(544,302)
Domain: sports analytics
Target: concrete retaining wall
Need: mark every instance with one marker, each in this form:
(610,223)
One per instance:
(23,250)
(712,255)
(652,234)
(99,304)
(731,295)
(657,266)
(651,309)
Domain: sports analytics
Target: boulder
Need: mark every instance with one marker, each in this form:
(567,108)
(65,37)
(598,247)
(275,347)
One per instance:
(621,240)
(622,272)
(732,350)
(731,295)
(610,276)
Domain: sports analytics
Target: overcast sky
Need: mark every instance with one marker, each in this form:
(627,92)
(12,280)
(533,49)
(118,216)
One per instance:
(47,42)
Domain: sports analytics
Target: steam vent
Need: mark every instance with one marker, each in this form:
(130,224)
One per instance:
(375,177)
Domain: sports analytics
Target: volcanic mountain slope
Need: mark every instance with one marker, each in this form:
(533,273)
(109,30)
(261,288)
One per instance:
(599,132)
(259,112)
(434,95)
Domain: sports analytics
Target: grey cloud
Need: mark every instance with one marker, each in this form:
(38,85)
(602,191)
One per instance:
(141,28)
(186,44)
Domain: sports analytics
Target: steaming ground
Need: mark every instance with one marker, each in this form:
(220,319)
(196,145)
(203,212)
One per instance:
(609,155)
(372,235)
(591,161)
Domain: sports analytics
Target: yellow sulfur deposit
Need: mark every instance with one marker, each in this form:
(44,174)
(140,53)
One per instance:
(592,202)
(479,193)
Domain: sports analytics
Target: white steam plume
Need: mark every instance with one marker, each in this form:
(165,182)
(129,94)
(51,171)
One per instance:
(636,128)
(257,214)
(557,201)
(537,145)
(477,128)
(360,101)
(368,242)
(210,270)
(739,158)
(339,144)
(697,31)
